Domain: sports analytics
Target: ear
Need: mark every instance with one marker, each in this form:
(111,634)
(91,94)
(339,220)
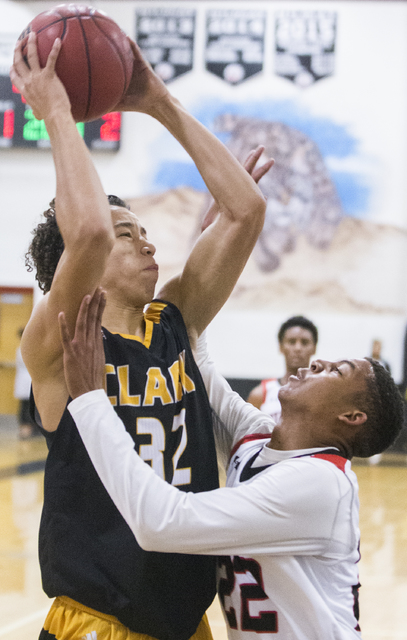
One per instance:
(353,418)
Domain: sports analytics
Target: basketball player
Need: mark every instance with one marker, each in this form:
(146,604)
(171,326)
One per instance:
(285,528)
(105,585)
(297,338)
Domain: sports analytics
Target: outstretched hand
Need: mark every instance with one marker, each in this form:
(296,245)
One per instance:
(84,358)
(41,87)
(256,173)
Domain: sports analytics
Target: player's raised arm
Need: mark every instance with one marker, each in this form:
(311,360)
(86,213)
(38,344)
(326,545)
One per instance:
(82,210)
(221,252)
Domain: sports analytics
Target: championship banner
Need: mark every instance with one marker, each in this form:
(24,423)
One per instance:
(234,44)
(166,38)
(305,45)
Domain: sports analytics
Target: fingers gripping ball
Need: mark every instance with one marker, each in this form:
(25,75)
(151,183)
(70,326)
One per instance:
(95,62)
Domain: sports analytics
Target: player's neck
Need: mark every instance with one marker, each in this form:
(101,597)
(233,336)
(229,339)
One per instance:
(119,318)
(291,434)
(288,438)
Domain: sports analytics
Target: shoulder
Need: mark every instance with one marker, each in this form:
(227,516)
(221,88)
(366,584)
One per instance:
(170,291)
(317,496)
(160,309)
(271,384)
(167,314)
(328,478)
(256,396)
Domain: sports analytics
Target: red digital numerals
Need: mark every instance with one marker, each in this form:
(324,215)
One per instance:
(110,129)
(8,124)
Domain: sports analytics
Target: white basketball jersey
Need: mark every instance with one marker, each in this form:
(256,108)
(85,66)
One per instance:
(293,592)
(271,404)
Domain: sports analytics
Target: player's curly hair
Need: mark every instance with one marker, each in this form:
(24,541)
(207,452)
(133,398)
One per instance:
(384,407)
(47,245)
(298,321)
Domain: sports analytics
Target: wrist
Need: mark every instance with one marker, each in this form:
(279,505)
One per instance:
(165,109)
(58,118)
(89,398)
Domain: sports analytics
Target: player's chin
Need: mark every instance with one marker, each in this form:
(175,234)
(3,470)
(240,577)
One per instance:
(150,284)
(289,386)
(151,275)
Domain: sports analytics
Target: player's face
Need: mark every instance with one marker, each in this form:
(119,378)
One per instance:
(131,269)
(326,389)
(297,347)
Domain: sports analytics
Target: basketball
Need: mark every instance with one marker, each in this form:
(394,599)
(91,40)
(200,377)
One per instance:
(95,62)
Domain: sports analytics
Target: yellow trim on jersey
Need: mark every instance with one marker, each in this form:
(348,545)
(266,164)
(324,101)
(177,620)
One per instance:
(153,311)
(148,334)
(152,316)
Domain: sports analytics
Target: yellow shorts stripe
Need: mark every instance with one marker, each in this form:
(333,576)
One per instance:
(70,620)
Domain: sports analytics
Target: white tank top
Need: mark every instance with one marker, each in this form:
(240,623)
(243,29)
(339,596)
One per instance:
(271,404)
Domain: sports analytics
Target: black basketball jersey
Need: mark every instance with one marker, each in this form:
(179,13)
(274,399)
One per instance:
(87,551)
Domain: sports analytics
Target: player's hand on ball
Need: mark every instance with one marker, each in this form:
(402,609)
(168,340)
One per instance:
(145,90)
(41,88)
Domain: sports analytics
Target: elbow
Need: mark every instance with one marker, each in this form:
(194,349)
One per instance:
(256,214)
(105,236)
(147,540)
(99,238)
(260,205)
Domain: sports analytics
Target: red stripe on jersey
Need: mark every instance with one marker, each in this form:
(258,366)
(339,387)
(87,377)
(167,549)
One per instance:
(338,461)
(249,438)
(264,387)
(264,390)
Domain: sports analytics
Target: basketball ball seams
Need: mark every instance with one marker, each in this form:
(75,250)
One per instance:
(95,63)
(63,31)
(85,42)
(97,21)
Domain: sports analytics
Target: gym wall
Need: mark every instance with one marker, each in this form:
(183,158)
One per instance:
(323,86)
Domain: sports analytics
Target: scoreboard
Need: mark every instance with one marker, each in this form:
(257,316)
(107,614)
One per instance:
(19,127)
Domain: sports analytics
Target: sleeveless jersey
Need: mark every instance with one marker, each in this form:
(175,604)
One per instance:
(87,551)
(271,404)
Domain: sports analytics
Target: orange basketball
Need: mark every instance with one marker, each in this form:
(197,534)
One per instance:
(95,62)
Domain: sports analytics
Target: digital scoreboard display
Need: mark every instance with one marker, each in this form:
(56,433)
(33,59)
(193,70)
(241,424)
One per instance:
(19,127)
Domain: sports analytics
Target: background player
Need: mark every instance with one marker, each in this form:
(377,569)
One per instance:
(286,525)
(297,338)
(377,354)
(90,561)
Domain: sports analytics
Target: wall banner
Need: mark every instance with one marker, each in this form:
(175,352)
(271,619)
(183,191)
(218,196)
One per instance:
(166,38)
(305,45)
(234,43)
